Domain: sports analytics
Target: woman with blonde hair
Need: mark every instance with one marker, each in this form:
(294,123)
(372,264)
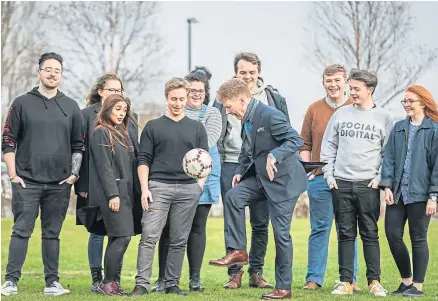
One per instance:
(410,181)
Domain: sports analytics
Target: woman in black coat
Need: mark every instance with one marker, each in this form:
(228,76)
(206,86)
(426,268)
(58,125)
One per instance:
(112,184)
(105,86)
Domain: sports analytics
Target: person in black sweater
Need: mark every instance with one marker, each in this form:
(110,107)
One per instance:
(42,145)
(112,184)
(167,192)
(105,86)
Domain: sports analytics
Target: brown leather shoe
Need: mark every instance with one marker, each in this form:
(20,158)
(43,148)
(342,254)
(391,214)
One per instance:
(239,257)
(311,286)
(278,294)
(235,281)
(256,280)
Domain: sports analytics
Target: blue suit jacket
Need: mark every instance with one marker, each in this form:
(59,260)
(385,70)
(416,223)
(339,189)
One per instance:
(272,133)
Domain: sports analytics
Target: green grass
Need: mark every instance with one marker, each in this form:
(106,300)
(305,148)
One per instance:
(74,271)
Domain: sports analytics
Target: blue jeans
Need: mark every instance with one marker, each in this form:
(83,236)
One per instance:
(321,220)
(95,250)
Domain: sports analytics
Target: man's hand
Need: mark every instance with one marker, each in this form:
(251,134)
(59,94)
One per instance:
(19,180)
(83,194)
(70,180)
(430,207)
(333,184)
(270,168)
(374,184)
(389,197)
(201,182)
(236,180)
(145,196)
(114,204)
(310,176)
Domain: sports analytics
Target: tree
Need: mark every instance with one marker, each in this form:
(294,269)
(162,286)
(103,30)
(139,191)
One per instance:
(370,35)
(20,47)
(111,36)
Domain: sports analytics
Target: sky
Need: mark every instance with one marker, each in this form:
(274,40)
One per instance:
(274,31)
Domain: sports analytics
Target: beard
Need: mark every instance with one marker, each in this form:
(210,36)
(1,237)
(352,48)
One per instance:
(47,83)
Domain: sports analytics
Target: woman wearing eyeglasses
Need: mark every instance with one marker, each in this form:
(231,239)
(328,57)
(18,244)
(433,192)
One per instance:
(410,181)
(197,108)
(106,85)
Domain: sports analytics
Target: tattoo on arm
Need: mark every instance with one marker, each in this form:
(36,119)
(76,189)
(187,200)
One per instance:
(76,160)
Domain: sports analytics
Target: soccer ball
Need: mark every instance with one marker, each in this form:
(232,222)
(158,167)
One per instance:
(197,163)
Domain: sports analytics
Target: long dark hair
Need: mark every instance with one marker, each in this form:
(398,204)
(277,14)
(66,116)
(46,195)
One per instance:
(117,132)
(203,75)
(93,96)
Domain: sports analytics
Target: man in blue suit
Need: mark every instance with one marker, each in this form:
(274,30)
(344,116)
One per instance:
(269,171)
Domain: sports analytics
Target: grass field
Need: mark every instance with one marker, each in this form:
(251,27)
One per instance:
(74,271)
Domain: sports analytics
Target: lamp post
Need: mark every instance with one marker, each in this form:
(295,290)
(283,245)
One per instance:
(190,21)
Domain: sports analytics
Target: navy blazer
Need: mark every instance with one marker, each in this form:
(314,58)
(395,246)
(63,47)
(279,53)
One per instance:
(272,133)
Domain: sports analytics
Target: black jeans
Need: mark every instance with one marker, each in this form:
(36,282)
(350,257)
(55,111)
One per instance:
(195,244)
(356,204)
(53,200)
(259,219)
(395,220)
(114,252)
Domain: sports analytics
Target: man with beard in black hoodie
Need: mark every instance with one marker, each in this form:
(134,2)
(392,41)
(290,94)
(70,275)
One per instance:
(42,145)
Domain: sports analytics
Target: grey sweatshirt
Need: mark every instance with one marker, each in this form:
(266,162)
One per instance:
(233,141)
(354,142)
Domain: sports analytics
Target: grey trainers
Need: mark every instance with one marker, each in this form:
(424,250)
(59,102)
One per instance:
(55,289)
(9,288)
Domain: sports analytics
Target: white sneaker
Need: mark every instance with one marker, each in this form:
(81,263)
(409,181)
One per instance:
(342,288)
(377,289)
(9,288)
(56,289)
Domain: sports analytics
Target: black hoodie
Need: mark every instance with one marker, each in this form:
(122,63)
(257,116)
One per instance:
(44,133)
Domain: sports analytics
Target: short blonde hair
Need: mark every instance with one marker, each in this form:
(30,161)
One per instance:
(176,83)
(332,69)
(232,88)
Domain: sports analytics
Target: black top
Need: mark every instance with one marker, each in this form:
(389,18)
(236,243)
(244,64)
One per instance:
(90,115)
(44,133)
(107,167)
(163,144)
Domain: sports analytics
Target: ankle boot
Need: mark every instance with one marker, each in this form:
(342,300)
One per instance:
(96,278)
(195,283)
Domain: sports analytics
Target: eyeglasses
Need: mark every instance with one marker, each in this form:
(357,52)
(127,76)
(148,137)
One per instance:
(57,72)
(409,102)
(114,91)
(194,92)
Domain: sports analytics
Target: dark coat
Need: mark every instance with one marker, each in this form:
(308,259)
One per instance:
(82,185)
(272,133)
(423,180)
(111,175)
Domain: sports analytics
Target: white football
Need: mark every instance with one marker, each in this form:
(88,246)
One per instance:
(197,163)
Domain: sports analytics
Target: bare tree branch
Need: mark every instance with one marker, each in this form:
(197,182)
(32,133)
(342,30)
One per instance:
(369,35)
(110,36)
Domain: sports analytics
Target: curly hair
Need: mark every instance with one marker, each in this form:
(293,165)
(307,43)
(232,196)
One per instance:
(203,75)
(93,96)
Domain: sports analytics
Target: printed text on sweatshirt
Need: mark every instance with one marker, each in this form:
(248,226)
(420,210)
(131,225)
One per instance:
(354,142)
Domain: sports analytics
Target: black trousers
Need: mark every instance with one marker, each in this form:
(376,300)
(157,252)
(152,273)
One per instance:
(356,204)
(395,220)
(53,200)
(195,244)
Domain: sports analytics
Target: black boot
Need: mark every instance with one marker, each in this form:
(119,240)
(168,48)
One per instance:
(117,280)
(195,284)
(96,276)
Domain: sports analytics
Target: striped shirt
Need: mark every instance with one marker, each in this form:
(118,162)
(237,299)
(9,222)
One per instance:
(212,122)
